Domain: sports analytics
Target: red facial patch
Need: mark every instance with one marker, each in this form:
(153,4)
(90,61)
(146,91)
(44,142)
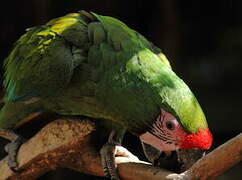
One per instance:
(202,139)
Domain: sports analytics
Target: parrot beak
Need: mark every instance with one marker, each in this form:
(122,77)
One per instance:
(202,140)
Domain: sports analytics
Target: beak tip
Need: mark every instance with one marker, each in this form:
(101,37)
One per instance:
(202,139)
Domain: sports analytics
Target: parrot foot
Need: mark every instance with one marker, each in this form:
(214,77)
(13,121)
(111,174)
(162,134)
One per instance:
(12,150)
(108,153)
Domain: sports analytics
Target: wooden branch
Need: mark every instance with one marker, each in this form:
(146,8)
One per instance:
(67,143)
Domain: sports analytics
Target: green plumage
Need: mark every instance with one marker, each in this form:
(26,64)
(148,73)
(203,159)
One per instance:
(96,66)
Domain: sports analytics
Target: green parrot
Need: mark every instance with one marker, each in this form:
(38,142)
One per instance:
(96,66)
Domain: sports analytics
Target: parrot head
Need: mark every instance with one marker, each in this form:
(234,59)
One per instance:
(167,134)
(180,122)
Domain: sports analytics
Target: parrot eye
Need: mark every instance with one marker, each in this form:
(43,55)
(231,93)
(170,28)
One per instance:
(170,125)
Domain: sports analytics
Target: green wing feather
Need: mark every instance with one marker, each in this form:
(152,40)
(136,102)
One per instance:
(43,59)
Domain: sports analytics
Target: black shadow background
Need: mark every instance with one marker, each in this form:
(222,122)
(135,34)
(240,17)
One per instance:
(202,39)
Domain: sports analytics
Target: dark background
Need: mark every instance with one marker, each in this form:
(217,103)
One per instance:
(202,40)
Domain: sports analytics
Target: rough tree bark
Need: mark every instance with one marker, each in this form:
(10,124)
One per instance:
(67,143)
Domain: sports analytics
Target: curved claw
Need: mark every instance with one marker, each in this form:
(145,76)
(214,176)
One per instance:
(12,150)
(108,161)
(108,153)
